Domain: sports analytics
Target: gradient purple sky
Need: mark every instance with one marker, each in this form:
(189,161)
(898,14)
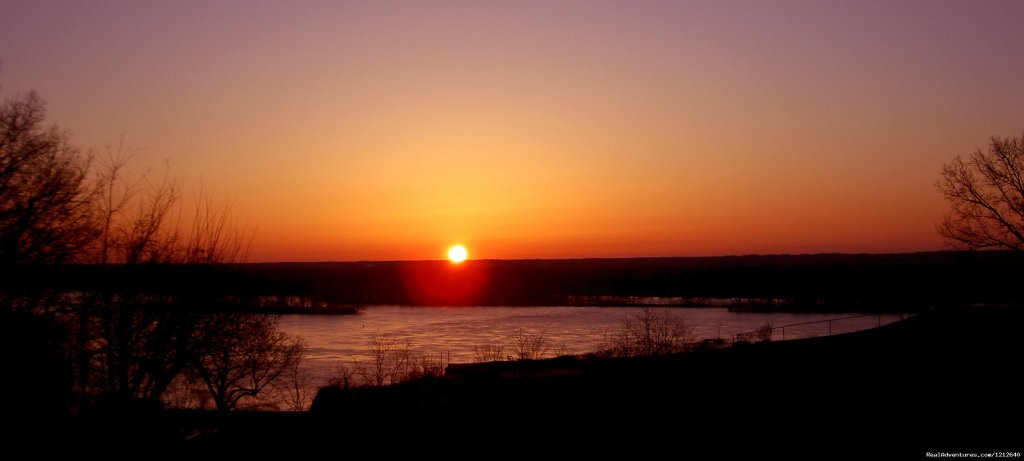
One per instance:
(389,130)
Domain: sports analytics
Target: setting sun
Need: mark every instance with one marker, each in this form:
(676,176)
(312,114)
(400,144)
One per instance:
(457,254)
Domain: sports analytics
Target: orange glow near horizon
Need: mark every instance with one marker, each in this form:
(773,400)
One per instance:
(369,131)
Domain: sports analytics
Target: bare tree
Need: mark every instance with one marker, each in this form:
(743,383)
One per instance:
(113,193)
(986,193)
(243,354)
(293,388)
(148,237)
(389,361)
(214,237)
(424,365)
(45,199)
(763,333)
(131,345)
(342,375)
(135,218)
(489,352)
(134,345)
(563,349)
(649,331)
(46,202)
(126,343)
(529,347)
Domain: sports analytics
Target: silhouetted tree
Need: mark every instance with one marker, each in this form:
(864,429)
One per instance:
(45,218)
(649,331)
(110,340)
(293,387)
(135,344)
(241,354)
(113,194)
(389,361)
(529,347)
(134,211)
(131,343)
(986,193)
(489,352)
(46,213)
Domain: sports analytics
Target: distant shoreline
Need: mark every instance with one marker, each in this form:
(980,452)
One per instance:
(820,282)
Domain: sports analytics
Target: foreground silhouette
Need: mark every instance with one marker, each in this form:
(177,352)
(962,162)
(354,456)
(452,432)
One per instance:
(930,383)
(937,375)
(148,316)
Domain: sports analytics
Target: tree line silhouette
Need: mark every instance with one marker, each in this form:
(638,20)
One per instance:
(132,330)
(822,281)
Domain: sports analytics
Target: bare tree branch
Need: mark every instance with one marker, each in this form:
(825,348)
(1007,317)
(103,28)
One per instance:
(986,194)
(45,204)
(243,354)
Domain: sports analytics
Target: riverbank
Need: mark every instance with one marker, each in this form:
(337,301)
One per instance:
(938,382)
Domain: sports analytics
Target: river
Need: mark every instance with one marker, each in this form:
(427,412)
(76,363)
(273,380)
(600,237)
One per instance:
(454,333)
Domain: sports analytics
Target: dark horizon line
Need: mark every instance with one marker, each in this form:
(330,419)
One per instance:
(637,258)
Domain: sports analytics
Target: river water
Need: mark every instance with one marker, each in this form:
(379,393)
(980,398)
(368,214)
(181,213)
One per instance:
(455,333)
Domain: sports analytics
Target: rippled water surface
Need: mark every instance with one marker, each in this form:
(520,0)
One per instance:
(454,332)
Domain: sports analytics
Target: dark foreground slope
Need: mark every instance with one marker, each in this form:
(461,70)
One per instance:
(939,382)
(943,381)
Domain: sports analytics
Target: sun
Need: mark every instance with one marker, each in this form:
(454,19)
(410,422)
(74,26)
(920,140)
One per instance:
(457,254)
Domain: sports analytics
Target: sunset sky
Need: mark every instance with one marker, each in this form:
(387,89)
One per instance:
(550,129)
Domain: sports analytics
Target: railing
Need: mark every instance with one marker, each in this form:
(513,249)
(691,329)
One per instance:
(765,333)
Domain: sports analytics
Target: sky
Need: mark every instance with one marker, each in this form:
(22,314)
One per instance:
(385,130)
